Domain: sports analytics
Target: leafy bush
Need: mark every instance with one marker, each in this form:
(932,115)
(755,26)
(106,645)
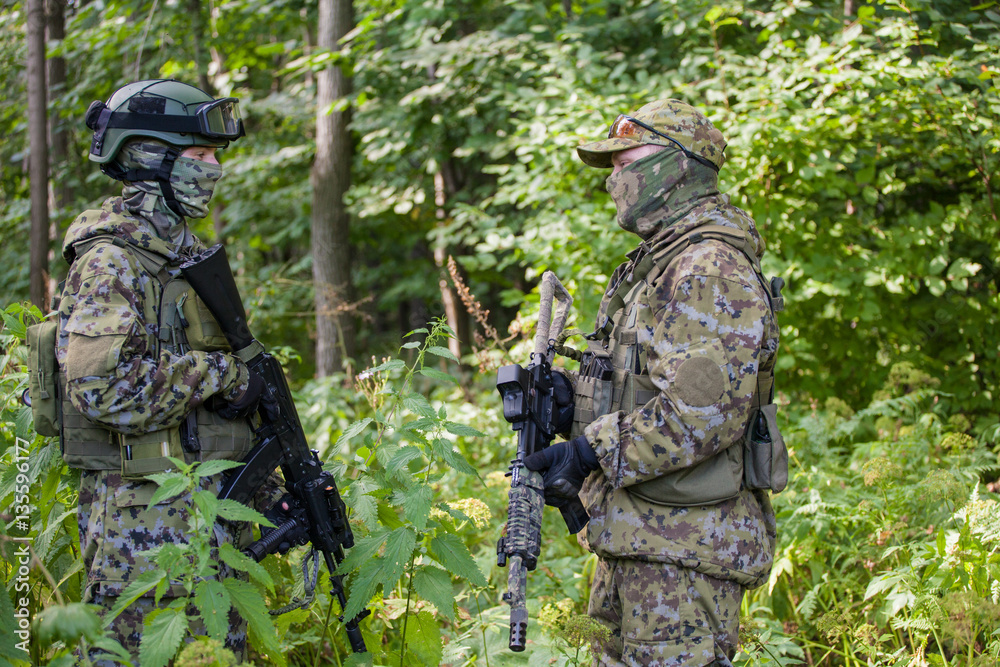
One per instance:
(885,552)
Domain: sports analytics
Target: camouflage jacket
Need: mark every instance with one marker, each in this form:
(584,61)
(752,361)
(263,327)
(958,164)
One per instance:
(708,303)
(115,376)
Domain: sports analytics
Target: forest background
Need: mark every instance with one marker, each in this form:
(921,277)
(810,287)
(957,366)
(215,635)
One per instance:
(387,136)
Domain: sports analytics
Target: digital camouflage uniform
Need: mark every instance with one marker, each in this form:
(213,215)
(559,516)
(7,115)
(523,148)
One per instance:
(133,385)
(690,338)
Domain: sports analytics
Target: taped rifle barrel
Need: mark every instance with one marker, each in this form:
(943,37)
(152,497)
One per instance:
(550,324)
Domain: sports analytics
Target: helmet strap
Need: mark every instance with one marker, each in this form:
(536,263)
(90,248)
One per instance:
(163,176)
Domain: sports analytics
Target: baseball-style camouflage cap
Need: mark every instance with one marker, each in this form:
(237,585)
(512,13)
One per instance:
(660,123)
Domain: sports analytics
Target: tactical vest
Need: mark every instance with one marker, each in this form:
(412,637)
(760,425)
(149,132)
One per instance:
(614,377)
(183,323)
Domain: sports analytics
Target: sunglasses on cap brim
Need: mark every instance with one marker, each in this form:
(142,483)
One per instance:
(627,127)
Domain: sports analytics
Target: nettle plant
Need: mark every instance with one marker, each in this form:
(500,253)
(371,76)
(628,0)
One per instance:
(410,527)
(218,578)
(889,549)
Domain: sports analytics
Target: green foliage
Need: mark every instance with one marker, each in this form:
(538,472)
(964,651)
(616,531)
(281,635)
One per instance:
(411,546)
(38,493)
(195,567)
(865,146)
(886,543)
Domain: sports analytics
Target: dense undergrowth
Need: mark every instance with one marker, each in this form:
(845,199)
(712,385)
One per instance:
(889,547)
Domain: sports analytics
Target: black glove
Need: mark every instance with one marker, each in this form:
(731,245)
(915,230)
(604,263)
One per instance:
(562,394)
(565,466)
(282,511)
(243,406)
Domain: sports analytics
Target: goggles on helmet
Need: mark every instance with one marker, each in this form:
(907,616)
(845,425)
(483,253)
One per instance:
(627,127)
(220,119)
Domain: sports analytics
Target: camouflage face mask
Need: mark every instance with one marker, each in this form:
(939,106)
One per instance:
(657,190)
(193,182)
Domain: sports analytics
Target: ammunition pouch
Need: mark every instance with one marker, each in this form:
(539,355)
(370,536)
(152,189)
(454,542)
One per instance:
(593,391)
(43,376)
(766,464)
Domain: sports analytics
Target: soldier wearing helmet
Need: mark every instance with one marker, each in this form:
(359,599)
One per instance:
(147,373)
(678,370)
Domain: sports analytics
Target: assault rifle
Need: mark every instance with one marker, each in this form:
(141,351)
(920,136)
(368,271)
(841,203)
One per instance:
(280,440)
(529,405)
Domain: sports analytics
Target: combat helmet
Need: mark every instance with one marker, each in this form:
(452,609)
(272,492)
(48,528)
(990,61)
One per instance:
(176,113)
(173,112)
(661,123)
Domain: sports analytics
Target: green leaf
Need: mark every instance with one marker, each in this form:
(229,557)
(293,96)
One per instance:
(384,570)
(935,285)
(251,605)
(363,505)
(388,516)
(209,468)
(423,638)
(111,646)
(416,502)
(417,403)
(208,504)
(449,550)
(419,425)
(434,585)
(353,430)
(68,624)
(162,634)
(15,326)
(8,626)
(391,365)
(359,660)
(397,465)
(142,584)
(436,374)
(212,601)
(363,550)
(237,560)
(170,488)
(446,450)
(232,510)
(439,351)
(463,430)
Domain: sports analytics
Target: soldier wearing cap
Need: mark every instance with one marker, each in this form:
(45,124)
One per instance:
(678,366)
(147,374)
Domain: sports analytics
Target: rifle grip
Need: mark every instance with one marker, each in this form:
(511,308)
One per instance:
(575,516)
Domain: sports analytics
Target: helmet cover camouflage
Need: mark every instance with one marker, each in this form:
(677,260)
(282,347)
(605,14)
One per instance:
(681,122)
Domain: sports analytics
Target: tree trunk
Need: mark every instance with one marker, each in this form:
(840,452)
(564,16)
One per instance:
(38,163)
(331,176)
(201,57)
(60,193)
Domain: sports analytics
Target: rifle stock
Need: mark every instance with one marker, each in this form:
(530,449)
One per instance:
(280,438)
